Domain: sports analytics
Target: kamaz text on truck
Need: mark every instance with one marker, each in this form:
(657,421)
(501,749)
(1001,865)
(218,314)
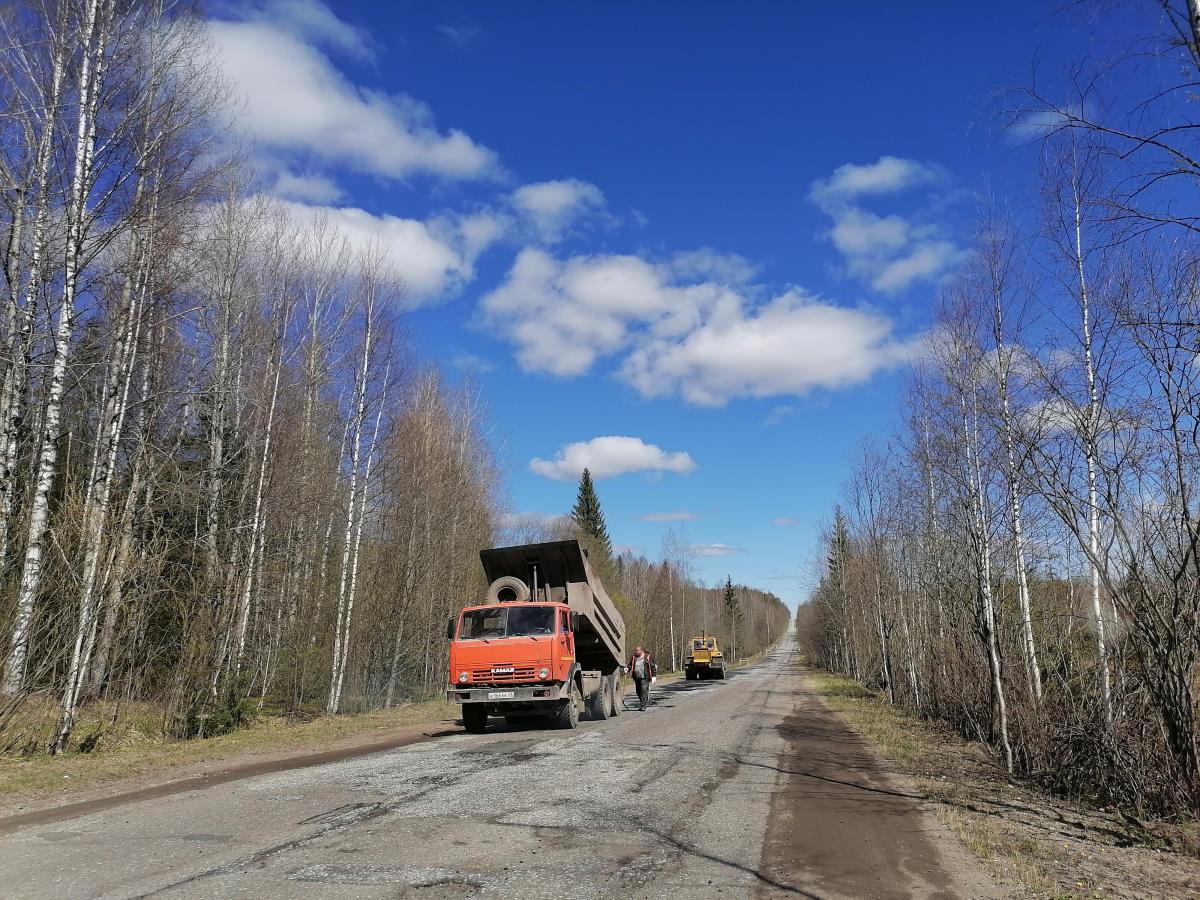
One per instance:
(548,641)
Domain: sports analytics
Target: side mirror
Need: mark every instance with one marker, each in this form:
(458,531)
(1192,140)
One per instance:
(450,623)
(574,622)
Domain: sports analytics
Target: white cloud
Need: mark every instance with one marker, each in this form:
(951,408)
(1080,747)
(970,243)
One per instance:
(480,230)
(706,263)
(924,260)
(886,175)
(1040,123)
(434,258)
(312,21)
(681,515)
(611,455)
(1054,415)
(711,550)
(888,252)
(553,207)
(706,340)
(857,233)
(306,188)
(298,102)
(793,344)
(785,521)
(563,316)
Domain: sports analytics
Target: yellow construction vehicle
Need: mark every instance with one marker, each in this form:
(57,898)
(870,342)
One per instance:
(704,659)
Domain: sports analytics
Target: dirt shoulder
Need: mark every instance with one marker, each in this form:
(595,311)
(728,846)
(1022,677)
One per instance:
(1051,847)
(842,825)
(33,785)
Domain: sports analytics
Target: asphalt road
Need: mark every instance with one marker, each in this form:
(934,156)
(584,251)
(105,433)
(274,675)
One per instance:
(741,788)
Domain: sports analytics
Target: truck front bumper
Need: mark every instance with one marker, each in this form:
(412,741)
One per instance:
(517,693)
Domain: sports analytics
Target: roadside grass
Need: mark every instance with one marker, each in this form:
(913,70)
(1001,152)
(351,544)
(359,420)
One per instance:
(1050,847)
(136,749)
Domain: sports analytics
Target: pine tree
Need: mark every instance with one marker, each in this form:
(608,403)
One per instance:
(588,516)
(733,612)
(839,547)
(839,550)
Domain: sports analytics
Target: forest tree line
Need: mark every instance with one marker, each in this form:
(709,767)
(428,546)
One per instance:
(1020,559)
(224,481)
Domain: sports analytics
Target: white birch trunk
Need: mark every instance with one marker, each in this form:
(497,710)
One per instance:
(31,573)
(95,521)
(1090,443)
(987,599)
(358,530)
(341,632)
(671,614)
(256,540)
(1033,672)
(20,317)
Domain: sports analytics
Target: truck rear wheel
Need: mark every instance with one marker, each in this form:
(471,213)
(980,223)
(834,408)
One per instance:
(616,694)
(568,712)
(601,702)
(474,717)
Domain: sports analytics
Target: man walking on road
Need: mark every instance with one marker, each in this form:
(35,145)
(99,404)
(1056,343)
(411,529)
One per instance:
(643,669)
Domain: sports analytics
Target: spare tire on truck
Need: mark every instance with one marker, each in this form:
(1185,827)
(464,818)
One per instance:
(508,589)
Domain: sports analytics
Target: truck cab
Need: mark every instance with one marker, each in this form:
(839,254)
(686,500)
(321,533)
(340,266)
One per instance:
(511,658)
(704,659)
(546,646)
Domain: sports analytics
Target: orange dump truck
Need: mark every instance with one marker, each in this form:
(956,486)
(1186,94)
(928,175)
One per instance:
(547,642)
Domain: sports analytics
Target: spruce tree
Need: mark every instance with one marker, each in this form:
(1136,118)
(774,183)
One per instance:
(588,516)
(733,612)
(838,550)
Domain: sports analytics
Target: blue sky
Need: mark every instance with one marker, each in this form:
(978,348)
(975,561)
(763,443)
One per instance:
(713,235)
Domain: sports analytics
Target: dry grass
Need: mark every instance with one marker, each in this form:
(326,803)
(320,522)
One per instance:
(1052,848)
(135,749)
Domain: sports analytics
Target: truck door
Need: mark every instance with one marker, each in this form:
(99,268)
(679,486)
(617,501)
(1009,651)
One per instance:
(566,640)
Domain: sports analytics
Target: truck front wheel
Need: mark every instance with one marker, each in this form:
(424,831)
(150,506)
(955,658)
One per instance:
(568,712)
(474,717)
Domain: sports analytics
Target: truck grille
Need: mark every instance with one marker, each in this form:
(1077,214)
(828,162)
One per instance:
(515,675)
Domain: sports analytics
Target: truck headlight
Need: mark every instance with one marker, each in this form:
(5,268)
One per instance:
(543,673)
(463,677)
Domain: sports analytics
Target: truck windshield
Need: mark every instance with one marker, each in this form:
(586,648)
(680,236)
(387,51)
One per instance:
(506,621)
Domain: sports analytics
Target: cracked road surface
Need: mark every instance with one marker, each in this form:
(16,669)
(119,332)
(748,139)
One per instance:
(742,788)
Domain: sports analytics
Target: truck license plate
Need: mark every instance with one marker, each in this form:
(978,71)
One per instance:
(501,695)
